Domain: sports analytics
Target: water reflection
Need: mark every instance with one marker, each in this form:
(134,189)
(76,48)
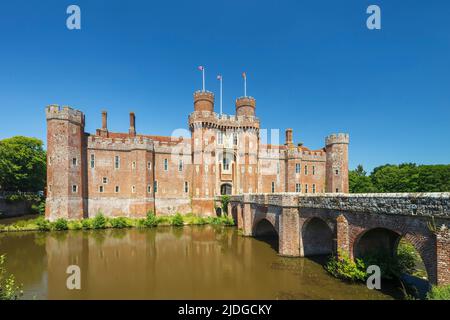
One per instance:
(167,263)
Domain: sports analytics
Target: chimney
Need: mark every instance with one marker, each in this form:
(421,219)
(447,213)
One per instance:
(104,120)
(132,130)
(289,137)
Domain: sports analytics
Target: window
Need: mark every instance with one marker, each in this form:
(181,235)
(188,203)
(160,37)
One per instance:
(74,188)
(133,189)
(100,189)
(133,165)
(105,180)
(149,188)
(149,165)
(337,190)
(314,188)
(249,169)
(92,160)
(226,163)
(155,186)
(298,187)
(74,161)
(278,167)
(297,168)
(306,170)
(337,172)
(180,165)
(235,139)
(220,137)
(314,170)
(166,165)
(117,162)
(117,189)
(273,186)
(186,187)
(306,188)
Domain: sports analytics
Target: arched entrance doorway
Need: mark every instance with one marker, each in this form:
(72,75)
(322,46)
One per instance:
(226,189)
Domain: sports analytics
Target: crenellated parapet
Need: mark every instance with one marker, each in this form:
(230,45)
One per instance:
(119,144)
(245,106)
(335,138)
(208,119)
(55,112)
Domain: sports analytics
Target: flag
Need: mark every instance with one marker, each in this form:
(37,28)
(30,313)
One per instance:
(219,77)
(200,68)
(244,75)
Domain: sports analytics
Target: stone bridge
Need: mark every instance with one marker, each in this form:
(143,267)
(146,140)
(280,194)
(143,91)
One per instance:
(317,224)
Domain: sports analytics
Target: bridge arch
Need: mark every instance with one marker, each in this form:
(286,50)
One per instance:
(317,237)
(265,228)
(386,240)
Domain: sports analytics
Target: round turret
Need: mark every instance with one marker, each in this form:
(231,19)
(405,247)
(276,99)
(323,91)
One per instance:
(337,138)
(245,106)
(204,101)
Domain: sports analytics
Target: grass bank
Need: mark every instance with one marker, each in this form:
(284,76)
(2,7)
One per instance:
(102,222)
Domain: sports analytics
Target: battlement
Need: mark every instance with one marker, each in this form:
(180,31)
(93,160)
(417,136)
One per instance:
(120,144)
(216,120)
(337,138)
(64,113)
(203,101)
(245,106)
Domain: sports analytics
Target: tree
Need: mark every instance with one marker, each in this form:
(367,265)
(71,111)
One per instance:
(22,164)
(359,182)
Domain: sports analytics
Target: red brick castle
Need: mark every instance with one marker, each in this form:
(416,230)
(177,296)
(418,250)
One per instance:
(129,174)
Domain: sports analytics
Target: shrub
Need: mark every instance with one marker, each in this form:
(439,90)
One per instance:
(120,222)
(99,221)
(177,220)
(225,200)
(86,224)
(439,293)
(343,267)
(8,288)
(43,224)
(151,220)
(60,224)
(75,225)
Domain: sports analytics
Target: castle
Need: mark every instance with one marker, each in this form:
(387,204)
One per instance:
(129,174)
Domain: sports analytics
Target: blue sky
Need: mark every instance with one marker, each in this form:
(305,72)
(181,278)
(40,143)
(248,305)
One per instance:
(311,65)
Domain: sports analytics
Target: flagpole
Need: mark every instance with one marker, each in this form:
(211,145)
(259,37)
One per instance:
(245,85)
(221,94)
(203,74)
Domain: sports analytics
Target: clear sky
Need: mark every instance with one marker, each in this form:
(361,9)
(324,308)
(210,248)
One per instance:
(311,65)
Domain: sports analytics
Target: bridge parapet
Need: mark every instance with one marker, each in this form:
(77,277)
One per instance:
(412,204)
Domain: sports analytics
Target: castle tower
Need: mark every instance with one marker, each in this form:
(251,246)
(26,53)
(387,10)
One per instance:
(65,163)
(245,106)
(203,132)
(247,155)
(337,163)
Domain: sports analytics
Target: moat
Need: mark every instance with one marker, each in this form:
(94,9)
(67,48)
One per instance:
(194,262)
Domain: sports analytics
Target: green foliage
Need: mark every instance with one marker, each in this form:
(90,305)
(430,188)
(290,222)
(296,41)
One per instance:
(408,259)
(439,293)
(151,220)
(343,267)
(120,222)
(22,164)
(9,290)
(177,220)
(43,224)
(359,182)
(61,224)
(86,224)
(75,225)
(406,177)
(225,199)
(99,221)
